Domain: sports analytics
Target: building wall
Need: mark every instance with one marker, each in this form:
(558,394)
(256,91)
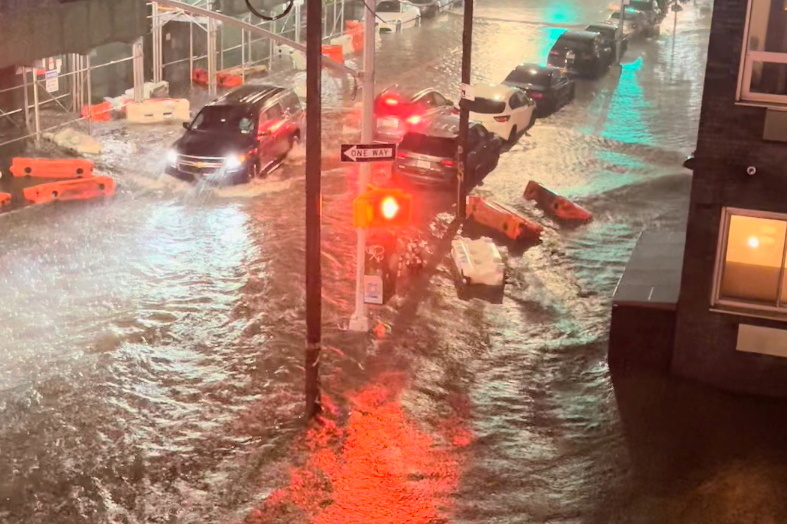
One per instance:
(729,140)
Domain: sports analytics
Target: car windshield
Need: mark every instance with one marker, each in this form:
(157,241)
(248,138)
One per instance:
(486,106)
(528,76)
(429,145)
(224,118)
(568,43)
(388,7)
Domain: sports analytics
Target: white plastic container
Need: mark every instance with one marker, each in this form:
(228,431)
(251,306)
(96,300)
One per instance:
(478,261)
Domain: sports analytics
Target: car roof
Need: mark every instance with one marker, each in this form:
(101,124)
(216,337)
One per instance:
(406,92)
(494,91)
(444,126)
(600,25)
(249,95)
(535,68)
(577,35)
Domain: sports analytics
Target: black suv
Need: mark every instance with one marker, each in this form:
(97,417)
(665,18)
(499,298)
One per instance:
(428,156)
(581,53)
(241,135)
(611,37)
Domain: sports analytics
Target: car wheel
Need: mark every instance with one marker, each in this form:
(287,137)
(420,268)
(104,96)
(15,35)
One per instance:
(512,135)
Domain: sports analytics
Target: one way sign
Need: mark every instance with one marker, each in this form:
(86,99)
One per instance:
(368,152)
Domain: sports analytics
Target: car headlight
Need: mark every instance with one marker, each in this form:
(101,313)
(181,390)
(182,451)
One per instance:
(233,162)
(172,157)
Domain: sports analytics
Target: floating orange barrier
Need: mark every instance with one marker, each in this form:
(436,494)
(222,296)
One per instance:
(199,76)
(229,80)
(556,205)
(502,218)
(81,189)
(5,198)
(51,167)
(98,113)
(334,52)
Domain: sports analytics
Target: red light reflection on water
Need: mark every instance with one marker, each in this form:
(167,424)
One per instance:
(381,467)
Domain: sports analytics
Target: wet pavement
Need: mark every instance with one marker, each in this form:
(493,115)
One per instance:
(152,344)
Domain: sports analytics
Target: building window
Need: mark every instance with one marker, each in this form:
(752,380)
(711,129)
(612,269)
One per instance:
(763,74)
(750,263)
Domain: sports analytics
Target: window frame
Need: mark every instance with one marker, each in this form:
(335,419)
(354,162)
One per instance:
(743,93)
(716,300)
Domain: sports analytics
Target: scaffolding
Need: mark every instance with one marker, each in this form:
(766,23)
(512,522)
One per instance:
(68,89)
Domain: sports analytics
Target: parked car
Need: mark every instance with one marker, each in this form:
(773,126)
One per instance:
(635,24)
(609,33)
(241,135)
(651,9)
(581,53)
(548,86)
(428,156)
(394,15)
(398,110)
(503,110)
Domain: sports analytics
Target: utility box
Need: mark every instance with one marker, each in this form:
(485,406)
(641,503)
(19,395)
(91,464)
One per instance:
(381,267)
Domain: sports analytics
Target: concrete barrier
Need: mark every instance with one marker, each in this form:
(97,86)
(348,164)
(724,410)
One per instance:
(158,110)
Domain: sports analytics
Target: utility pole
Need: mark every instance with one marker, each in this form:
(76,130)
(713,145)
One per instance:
(464,112)
(313,181)
(360,320)
(618,45)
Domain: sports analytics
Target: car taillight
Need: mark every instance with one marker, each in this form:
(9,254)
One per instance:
(448,163)
(413,120)
(502,118)
(554,53)
(535,94)
(391,101)
(401,154)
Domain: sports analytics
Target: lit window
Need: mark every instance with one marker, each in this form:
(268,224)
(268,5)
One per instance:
(763,71)
(751,265)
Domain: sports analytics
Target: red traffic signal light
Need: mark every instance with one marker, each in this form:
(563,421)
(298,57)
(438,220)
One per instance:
(382,208)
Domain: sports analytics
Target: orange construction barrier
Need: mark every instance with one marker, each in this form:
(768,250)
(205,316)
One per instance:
(502,218)
(51,167)
(98,113)
(229,80)
(333,52)
(82,189)
(5,198)
(556,205)
(200,77)
(355,30)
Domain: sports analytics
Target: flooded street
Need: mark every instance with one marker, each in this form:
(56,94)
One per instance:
(152,345)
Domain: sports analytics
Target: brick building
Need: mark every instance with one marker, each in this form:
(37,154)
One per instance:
(729,328)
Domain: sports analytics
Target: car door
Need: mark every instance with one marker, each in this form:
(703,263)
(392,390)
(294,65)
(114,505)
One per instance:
(270,141)
(560,87)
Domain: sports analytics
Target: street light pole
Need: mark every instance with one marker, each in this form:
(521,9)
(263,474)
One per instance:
(313,174)
(464,112)
(360,320)
(618,43)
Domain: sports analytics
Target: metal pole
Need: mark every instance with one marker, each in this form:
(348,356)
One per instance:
(313,174)
(618,45)
(243,55)
(191,54)
(211,57)
(464,112)
(157,55)
(26,98)
(359,320)
(297,23)
(89,82)
(139,70)
(36,109)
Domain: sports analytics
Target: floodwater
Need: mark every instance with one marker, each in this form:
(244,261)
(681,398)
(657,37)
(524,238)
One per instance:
(152,345)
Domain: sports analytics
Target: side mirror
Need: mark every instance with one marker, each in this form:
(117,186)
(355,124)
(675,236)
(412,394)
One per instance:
(186,125)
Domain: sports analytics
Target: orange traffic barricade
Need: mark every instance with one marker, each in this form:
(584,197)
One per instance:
(51,167)
(5,198)
(229,80)
(556,205)
(502,218)
(355,30)
(200,77)
(334,52)
(98,113)
(80,189)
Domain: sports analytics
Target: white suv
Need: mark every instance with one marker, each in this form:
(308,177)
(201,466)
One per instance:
(503,110)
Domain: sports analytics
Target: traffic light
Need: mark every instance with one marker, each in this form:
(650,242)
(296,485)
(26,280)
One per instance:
(383,208)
